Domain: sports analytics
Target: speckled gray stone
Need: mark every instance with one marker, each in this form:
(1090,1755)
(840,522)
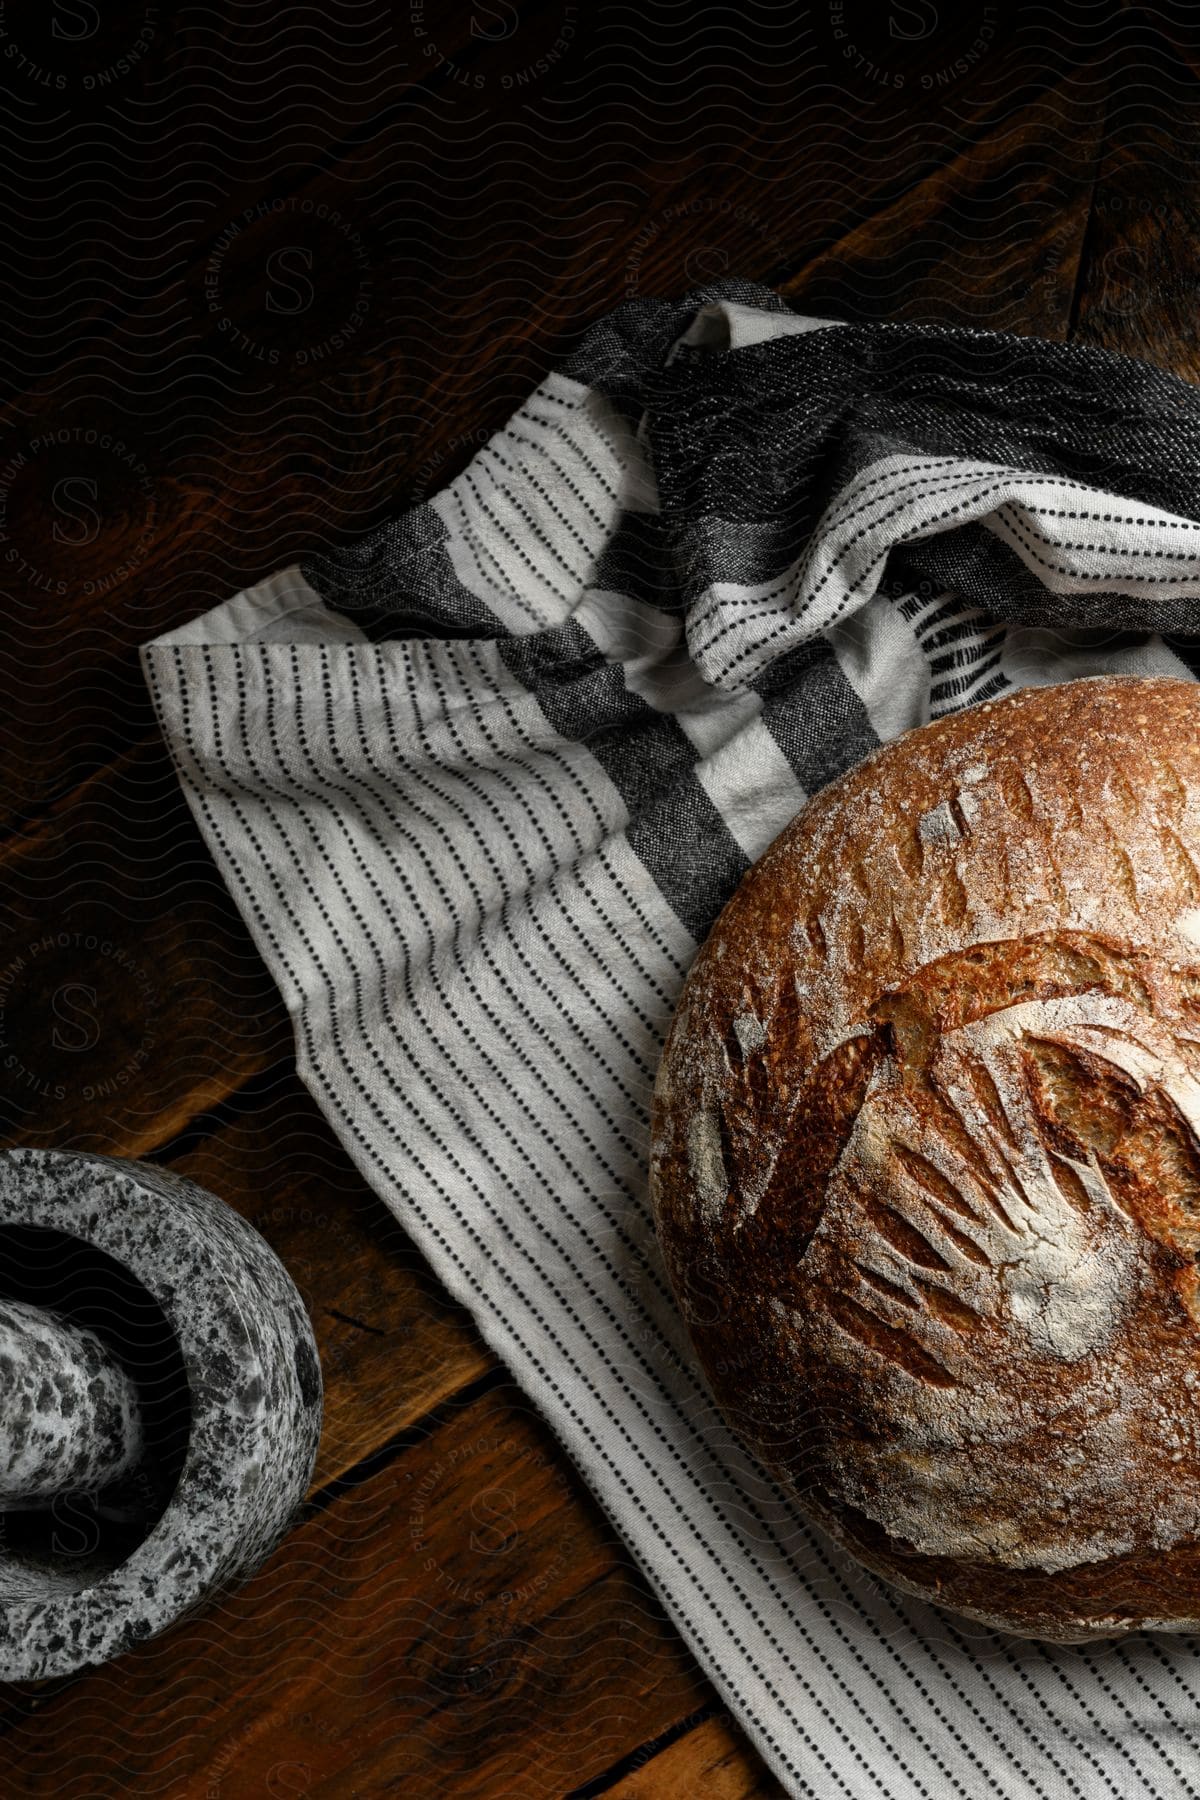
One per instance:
(70,1415)
(248,1409)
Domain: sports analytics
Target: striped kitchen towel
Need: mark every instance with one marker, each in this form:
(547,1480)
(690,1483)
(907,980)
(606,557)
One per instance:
(480,783)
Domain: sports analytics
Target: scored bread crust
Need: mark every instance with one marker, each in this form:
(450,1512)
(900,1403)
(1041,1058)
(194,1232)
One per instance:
(925,1163)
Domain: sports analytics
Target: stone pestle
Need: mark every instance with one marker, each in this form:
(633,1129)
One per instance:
(70,1416)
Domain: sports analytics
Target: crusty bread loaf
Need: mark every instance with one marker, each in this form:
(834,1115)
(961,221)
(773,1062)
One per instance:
(925,1164)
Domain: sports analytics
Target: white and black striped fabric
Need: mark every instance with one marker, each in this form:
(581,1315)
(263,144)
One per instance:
(480,784)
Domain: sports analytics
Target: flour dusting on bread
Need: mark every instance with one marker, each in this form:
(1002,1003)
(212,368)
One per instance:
(929,1118)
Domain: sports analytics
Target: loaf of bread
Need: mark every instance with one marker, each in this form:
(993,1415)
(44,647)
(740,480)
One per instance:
(925,1165)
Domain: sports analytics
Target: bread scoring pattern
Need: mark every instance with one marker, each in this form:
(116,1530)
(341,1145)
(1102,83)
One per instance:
(925,1155)
(989,1276)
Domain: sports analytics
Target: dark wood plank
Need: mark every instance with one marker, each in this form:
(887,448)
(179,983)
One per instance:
(131,995)
(1137,286)
(147,135)
(462,1622)
(195,124)
(1173,25)
(992,238)
(713,1760)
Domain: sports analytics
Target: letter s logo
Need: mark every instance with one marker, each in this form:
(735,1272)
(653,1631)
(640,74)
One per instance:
(80,489)
(495,1509)
(1122,281)
(297,298)
(707,262)
(84,1030)
(82,1534)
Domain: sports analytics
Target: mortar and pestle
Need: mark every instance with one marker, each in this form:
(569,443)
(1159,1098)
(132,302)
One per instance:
(160,1405)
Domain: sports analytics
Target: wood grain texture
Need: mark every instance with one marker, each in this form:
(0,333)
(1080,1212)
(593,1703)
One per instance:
(713,1760)
(131,995)
(1015,171)
(1137,276)
(993,237)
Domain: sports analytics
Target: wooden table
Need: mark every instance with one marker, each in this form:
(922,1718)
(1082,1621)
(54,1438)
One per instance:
(271,278)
